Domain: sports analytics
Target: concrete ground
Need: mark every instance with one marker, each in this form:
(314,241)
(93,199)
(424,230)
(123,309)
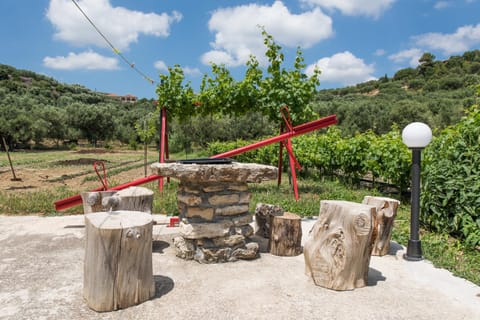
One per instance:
(41,277)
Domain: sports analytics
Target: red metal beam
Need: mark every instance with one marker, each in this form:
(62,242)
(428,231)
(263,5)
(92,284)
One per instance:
(298,130)
(77,199)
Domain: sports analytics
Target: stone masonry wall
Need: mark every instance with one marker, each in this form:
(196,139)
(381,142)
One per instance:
(215,222)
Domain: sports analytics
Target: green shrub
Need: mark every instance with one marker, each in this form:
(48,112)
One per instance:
(451,180)
(383,157)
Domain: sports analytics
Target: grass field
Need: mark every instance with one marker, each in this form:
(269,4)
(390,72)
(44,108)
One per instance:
(47,176)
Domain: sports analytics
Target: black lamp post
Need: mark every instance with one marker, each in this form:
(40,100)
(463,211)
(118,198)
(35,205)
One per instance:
(416,136)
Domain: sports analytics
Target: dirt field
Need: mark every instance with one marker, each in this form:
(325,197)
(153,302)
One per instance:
(48,170)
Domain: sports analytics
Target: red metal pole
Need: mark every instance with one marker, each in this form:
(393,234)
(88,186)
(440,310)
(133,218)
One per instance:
(162,145)
(293,161)
(280,159)
(167,155)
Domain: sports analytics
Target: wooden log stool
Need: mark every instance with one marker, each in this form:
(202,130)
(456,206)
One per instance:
(129,199)
(118,260)
(92,200)
(385,216)
(337,251)
(285,235)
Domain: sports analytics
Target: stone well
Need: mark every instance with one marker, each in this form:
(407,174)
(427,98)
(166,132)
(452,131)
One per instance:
(213,203)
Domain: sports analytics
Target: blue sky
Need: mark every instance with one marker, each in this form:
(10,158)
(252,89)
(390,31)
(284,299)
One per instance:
(351,41)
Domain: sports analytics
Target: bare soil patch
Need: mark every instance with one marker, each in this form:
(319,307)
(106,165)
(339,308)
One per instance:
(79,162)
(69,170)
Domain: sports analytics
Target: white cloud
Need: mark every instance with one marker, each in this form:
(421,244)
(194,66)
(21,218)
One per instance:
(380,52)
(410,55)
(442,5)
(238,35)
(191,71)
(120,25)
(372,8)
(219,57)
(160,65)
(344,68)
(463,39)
(86,60)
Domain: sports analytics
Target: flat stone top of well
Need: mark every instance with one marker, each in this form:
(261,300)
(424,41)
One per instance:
(233,172)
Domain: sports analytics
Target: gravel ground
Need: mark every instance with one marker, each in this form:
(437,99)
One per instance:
(41,277)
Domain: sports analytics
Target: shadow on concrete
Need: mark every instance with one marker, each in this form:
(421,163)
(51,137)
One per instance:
(394,248)
(262,243)
(158,246)
(163,285)
(374,276)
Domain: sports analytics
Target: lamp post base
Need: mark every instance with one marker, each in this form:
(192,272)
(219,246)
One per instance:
(414,251)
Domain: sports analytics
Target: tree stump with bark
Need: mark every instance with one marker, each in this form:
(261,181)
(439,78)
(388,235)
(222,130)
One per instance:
(285,235)
(337,251)
(118,260)
(385,216)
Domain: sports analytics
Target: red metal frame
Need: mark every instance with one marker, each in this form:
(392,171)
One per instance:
(285,141)
(284,138)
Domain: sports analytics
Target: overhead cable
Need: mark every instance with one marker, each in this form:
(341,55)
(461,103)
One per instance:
(115,50)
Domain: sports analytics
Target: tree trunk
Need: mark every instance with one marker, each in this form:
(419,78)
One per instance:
(337,251)
(285,235)
(385,216)
(118,260)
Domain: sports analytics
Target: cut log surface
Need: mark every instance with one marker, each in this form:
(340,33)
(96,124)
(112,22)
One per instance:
(118,260)
(337,251)
(285,235)
(385,216)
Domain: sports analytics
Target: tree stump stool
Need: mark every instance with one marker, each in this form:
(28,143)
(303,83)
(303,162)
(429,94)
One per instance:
(129,199)
(285,235)
(92,201)
(385,216)
(337,251)
(118,260)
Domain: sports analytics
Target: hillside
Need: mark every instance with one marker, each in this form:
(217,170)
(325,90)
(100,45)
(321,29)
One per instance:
(35,107)
(436,92)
